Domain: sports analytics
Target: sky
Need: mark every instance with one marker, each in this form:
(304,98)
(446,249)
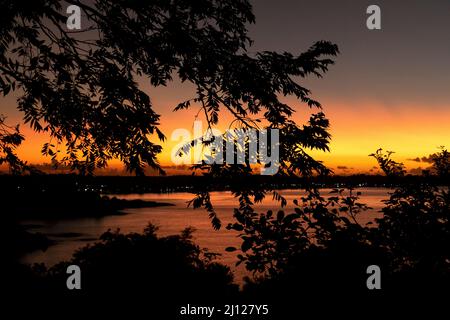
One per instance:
(389,88)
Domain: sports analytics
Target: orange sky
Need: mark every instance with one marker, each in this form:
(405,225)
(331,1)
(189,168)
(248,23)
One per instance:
(356,132)
(358,128)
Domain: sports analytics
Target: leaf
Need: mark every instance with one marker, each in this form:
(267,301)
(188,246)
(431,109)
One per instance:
(237,227)
(291,217)
(183,105)
(280,215)
(246,245)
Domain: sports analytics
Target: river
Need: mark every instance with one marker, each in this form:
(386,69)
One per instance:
(71,234)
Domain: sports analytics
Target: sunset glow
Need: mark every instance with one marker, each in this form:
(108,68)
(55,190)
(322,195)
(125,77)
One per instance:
(356,132)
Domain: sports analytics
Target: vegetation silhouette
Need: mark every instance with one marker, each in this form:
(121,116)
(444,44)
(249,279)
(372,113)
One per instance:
(137,268)
(81,88)
(10,139)
(318,255)
(322,250)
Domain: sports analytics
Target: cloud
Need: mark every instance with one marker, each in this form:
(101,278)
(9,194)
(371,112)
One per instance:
(426,159)
(343,167)
(429,159)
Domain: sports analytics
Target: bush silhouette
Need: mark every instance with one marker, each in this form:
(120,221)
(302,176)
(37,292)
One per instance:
(322,249)
(137,268)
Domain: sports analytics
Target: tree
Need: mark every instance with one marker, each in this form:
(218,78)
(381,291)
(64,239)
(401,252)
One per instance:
(136,270)
(10,139)
(441,164)
(270,242)
(414,229)
(321,250)
(390,167)
(80,86)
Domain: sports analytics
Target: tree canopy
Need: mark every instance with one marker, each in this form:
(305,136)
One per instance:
(81,86)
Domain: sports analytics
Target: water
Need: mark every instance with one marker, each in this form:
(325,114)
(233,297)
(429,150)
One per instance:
(71,234)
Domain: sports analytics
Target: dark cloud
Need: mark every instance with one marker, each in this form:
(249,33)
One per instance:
(428,159)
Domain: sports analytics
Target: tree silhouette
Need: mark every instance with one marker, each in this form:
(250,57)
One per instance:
(10,139)
(81,86)
(390,167)
(320,251)
(441,163)
(270,240)
(135,269)
(414,229)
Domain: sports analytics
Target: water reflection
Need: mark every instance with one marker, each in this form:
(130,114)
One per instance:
(71,234)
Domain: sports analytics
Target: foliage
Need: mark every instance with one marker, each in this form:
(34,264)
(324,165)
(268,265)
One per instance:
(269,240)
(174,267)
(10,139)
(81,87)
(415,228)
(322,244)
(262,94)
(293,161)
(390,167)
(441,164)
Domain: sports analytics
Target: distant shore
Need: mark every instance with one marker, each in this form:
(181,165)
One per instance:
(22,206)
(71,205)
(113,185)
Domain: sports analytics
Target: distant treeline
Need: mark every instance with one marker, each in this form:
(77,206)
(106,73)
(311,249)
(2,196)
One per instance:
(70,183)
